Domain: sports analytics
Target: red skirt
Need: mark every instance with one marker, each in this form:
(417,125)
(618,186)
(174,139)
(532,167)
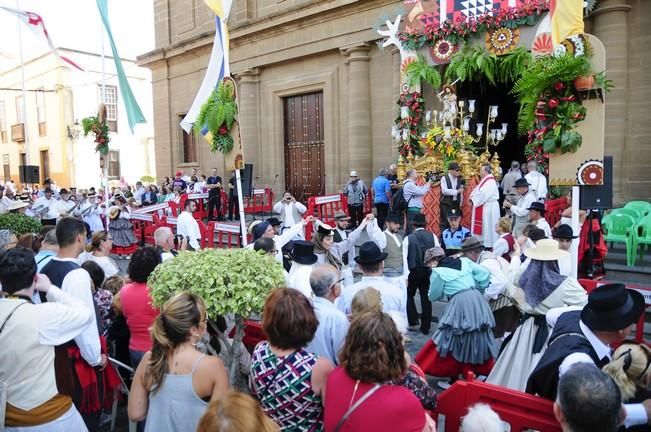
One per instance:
(124,250)
(433,364)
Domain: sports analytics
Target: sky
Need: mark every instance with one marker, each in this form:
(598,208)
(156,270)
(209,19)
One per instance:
(76,24)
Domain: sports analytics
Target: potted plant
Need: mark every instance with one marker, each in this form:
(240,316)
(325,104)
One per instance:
(19,224)
(230,281)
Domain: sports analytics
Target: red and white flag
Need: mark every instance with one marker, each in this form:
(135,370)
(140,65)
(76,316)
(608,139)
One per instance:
(37,25)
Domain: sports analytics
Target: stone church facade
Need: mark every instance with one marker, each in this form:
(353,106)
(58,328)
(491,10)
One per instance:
(318,96)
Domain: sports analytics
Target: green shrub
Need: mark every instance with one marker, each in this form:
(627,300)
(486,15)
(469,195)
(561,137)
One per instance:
(19,224)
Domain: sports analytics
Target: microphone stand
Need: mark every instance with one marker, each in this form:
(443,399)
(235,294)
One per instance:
(271,212)
(251,194)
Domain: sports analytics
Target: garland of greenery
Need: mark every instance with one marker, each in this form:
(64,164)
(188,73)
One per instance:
(419,70)
(475,63)
(456,32)
(100,129)
(218,115)
(414,123)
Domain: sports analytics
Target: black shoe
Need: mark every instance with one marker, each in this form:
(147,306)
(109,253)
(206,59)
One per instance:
(425,332)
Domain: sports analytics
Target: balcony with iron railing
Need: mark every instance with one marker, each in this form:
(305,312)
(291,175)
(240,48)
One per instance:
(18,132)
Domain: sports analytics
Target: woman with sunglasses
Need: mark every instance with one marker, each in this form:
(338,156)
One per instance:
(99,250)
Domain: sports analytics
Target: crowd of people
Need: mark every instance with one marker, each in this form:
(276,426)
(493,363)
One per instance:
(334,357)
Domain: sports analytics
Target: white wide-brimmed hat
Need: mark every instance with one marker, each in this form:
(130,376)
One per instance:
(546,250)
(15,205)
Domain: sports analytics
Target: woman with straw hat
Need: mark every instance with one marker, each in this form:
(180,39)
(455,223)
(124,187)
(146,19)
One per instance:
(539,288)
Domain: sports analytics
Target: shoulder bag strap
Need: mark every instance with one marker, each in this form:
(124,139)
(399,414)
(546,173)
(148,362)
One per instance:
(356,405)
(9,316)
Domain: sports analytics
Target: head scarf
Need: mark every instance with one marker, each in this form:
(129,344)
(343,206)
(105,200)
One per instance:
(451,263)
(317,239)
(260,229)
(5,237)
(539,280)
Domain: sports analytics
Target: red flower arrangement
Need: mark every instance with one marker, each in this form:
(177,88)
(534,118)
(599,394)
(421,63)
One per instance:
(459,31)
(413,122)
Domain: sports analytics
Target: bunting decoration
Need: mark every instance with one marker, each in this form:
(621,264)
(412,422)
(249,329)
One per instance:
(36,24)
(134,113)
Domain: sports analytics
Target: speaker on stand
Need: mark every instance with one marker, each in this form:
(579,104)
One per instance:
(29,174)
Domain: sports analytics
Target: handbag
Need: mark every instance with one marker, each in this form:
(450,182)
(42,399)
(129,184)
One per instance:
(356,405)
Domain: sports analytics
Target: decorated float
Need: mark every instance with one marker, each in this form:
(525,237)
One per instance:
(480,78)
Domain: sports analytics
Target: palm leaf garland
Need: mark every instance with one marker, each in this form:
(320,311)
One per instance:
(473,64)
(100,129)
(217,115)
(419,70)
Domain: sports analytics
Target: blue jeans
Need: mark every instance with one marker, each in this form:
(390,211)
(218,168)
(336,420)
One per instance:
(135,357)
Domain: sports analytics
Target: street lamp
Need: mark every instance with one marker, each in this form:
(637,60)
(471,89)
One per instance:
(74,131)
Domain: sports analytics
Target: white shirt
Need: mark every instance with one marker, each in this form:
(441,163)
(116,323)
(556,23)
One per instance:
(299,279)
(453,192)
(544,225)
(382,241)
(199,187)
(501,246)
(393,298)
(405,251)
(187,226)
(51,204)
(139,193)
(499,279)
(106,263)
(289,212)
(5,205)
(282,239)
(538,184)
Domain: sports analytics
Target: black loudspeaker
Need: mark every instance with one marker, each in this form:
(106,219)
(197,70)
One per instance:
(29,174)
(599,197)
(246,176)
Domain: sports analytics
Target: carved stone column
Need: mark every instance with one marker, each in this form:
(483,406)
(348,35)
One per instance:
(249,98)
(610,24)
(359,110)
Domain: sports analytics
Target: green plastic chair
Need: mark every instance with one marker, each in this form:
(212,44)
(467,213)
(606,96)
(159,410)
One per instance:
(636,214)
(641,206)
(642,236)
(621,228)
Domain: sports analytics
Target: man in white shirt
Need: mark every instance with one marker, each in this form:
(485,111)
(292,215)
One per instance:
(290,211)
(46,208)
(451,194)
(537,181)
(508,182)
(537,217)
(414,195)
(521,209)
(188,227)
(5,203)
(303,260)
(164,239)
(371,261)
(485,207)
(563,235)
(28,335)
(259,229)
(139,192)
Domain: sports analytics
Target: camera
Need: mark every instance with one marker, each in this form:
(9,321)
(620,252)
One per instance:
(432,176)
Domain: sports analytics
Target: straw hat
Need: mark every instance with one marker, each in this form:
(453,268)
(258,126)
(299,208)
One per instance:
(15,205)
(546,250)
(114,212)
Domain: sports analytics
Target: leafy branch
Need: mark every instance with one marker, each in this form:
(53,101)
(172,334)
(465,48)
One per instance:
(217,115)
(419,70)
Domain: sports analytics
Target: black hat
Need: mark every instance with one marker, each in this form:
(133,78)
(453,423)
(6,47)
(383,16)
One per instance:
(419,220)
(453,166)
(273,221)
(393,218)
(521,182)
(612,307)
(370,253)
(454,213)
(564,231)
(325,230)
(303,252)
(538,206)
(471,244)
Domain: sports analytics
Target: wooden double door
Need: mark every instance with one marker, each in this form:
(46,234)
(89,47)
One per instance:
(304,145)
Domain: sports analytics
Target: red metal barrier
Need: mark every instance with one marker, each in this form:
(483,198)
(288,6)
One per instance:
(589,285)
(262,201)
(520,410)
(324,209)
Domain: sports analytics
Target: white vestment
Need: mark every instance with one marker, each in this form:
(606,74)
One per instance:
(487,195)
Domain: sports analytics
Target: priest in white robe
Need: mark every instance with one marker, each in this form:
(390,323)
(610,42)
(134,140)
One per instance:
(485,207)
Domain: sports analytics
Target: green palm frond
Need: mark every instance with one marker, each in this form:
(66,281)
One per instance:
(419,71)
(218,111)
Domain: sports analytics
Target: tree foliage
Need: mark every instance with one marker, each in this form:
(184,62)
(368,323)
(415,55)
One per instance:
(218,115)
(19,224)
(475,63)
(419,70)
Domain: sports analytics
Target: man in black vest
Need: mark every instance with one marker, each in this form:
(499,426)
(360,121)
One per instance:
(585,336)
(451,194)
(64,272)
(214,185)
(414,248)
(342,222)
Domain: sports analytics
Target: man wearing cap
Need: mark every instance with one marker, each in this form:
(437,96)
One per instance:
(46,208)
(275,224)
(381,196)
(485,207)
(325,282)
(291,211)
(356,191)
(65,204)
(391,244)
(537,217)
(414,196)
(521,209)
(452,237)
(451,193)
(417,273)
(371,261)
(179,182)
(505,312)
(564,235)
(537,181)
(342,222)
(586,336)
(303,260)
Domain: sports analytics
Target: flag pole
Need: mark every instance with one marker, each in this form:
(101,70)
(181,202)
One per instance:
(103,87)
(24,93)
(240,204)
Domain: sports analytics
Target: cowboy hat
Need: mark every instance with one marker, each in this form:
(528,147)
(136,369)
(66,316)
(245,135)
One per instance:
(521,182)
(453,166)
(546,250)
(612,307)
(537,206)
(303,252)
(471,244)
(370,253)
(564,231)
(341,216)
(433,253)
(325,229)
